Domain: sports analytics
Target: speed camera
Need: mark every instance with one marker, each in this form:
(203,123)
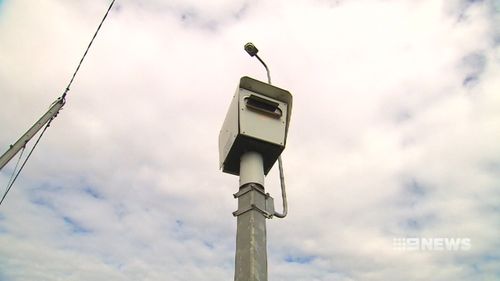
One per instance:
(257,120)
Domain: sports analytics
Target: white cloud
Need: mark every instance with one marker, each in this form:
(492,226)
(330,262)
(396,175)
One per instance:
(389,138)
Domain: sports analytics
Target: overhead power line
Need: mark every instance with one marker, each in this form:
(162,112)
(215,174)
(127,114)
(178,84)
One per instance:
(87,50)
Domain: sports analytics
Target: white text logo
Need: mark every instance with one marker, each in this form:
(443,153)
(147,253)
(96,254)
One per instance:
(431,244)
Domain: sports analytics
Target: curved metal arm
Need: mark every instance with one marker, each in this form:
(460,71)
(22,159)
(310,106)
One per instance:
(283,192)
(267,69)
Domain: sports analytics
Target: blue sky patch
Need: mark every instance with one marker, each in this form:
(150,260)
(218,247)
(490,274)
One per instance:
(299,259)
(92,192)
(413,191)
(42,203)
(75,227)
(474,64)
(411,224)
(120,210)
(208,244)
(470,81)
(474,1)
(415,188)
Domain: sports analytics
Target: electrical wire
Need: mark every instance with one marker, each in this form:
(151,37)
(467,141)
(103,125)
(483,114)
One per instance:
(87,50)
(17,164)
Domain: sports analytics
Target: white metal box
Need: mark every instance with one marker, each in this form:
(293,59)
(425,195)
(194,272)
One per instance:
(257,120)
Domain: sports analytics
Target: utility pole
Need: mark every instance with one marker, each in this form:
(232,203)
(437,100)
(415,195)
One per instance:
(24,139)
(250,142)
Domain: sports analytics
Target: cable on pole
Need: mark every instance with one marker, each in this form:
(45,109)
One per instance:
(15,167)
(24,162)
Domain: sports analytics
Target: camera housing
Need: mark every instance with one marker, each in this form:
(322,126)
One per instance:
(257,120)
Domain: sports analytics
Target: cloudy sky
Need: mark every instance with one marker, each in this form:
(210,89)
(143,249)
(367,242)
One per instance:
(395,134)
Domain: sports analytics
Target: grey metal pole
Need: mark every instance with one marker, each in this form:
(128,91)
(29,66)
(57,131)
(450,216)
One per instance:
(251,248)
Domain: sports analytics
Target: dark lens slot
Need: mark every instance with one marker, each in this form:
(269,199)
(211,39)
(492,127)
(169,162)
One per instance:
(263,105)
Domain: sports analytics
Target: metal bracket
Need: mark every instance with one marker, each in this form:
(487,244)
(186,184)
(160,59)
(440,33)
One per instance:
(253,207)
(269,201)
(249,188)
